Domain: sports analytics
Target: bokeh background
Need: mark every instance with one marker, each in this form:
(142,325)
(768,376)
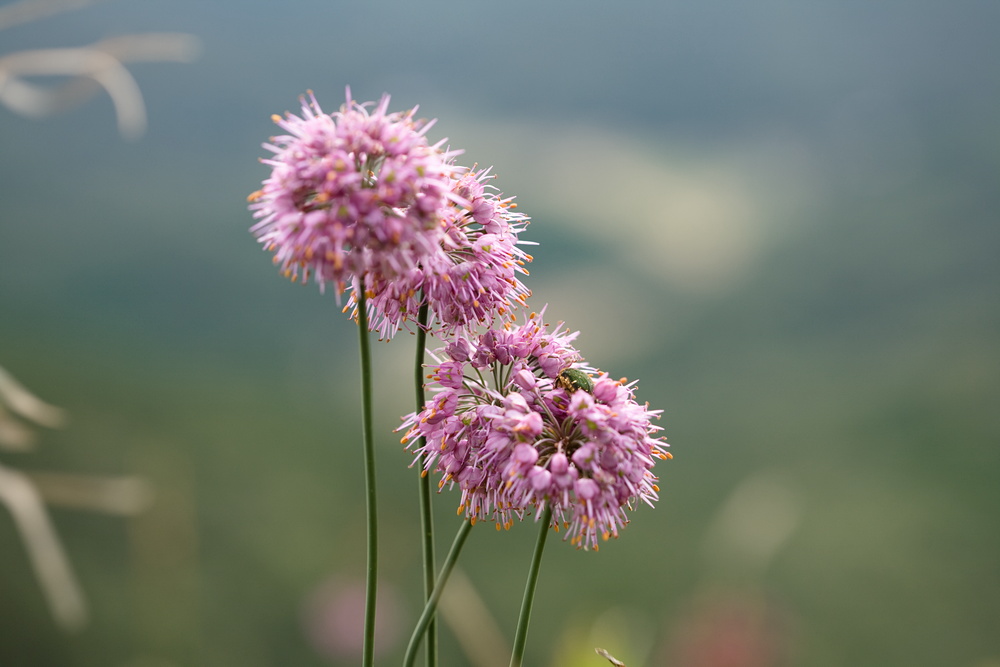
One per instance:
(780,217)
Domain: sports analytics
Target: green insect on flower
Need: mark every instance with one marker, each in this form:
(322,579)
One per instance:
(572,379)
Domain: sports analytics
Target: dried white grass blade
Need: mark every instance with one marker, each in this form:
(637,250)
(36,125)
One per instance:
(14,436)
(102,67)
(610,658)
(27,405)
(123,496)
(44,551)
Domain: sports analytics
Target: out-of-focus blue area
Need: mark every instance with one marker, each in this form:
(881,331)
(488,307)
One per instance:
(781,218)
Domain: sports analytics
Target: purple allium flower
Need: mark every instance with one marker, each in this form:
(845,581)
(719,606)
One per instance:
(508,429)
(352,193)
(472,279)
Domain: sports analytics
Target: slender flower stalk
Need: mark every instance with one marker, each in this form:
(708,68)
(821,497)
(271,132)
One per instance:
(521,635)
(431,607)
(371,587)
(426,517)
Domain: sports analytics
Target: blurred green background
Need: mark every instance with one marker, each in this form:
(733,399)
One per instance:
(780,217)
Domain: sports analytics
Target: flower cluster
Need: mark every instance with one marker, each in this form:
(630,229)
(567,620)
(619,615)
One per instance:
(473,278)
(352,193)
(360,199)
(518,422)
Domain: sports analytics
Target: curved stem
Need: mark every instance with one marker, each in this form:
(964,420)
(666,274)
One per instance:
(529,590)
(371,586)
(431,607)
(426,518)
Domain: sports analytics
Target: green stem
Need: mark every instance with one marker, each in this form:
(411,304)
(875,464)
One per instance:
(431,607)
(426,519)
(371,588)
(529,589)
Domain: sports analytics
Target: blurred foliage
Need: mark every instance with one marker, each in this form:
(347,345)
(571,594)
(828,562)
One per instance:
(831,408)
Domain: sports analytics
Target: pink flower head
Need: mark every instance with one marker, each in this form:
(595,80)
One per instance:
(472,278)
(352,193)
(515,435)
